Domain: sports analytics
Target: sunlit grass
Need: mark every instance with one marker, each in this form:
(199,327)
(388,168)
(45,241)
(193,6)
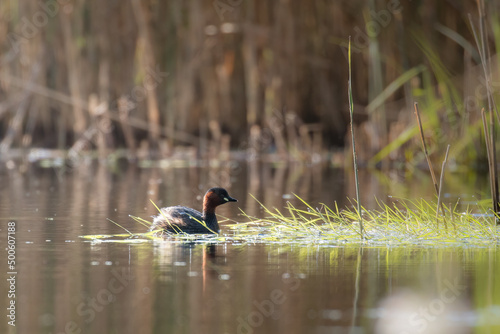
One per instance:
(403,222)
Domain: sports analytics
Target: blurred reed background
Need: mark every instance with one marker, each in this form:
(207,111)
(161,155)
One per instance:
(262,77)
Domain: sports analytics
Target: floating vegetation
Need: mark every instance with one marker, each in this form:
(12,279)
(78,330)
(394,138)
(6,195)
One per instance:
(403,222)
(158,235)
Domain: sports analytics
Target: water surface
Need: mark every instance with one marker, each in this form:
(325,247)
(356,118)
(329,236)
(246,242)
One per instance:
(66,284)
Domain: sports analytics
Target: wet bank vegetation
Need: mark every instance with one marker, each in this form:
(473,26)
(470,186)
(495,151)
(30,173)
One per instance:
(205,79)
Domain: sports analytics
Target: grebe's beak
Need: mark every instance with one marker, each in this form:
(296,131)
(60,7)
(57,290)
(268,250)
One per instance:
(230,199)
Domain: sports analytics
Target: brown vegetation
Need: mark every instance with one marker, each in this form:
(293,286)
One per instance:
(267,76)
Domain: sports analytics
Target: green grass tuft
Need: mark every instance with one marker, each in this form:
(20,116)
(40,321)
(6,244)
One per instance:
(404,222)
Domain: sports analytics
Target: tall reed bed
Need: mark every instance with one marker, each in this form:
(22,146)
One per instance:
(180,73)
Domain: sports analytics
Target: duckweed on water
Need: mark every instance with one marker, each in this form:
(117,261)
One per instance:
(405,222)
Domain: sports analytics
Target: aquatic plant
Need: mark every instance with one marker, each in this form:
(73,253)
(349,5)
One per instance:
(402,222)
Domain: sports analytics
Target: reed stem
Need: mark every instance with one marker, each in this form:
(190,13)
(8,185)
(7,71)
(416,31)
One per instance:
(440,193)
(431,169)
(424,146)
(484,53)
(488,137)
(355,162)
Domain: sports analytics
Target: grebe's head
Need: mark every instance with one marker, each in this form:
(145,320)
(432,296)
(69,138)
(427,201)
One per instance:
(217,196)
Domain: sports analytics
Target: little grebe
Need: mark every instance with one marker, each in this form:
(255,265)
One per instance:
(181,219)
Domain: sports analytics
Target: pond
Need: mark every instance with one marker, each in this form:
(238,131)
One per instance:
(62,283)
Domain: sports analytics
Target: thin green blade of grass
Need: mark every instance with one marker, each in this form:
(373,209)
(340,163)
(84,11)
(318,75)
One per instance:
(176,228)
(130,233)
(141,221)
(393,87)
